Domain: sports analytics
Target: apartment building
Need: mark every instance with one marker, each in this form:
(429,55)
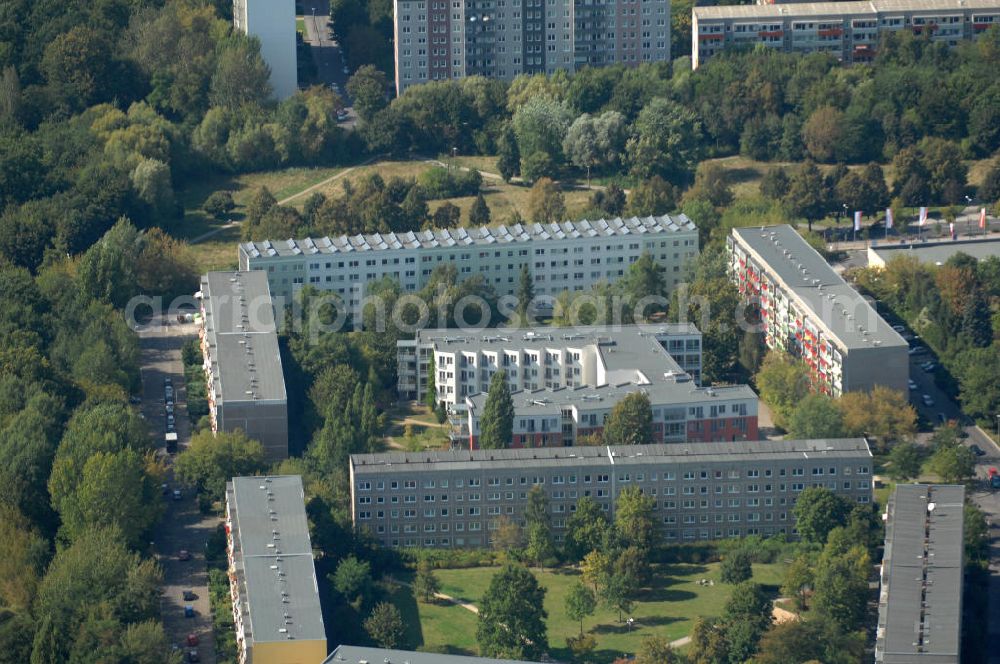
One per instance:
(850,31)
(441,40)
(542,358)
(272,22)
(565,381)
(920,602)
(271,573)
(809,311)
(239,345)
(560,256)
(702,491)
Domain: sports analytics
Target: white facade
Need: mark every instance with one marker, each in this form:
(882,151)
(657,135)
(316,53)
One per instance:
(273,23)
(568,256)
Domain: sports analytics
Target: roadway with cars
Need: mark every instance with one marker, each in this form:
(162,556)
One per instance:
(331,66)
(183,527)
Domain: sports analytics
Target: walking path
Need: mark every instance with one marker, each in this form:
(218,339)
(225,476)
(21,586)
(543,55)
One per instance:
(286,200)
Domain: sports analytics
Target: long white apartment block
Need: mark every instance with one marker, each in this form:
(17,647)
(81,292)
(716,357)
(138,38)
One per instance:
(808,310)
(850,31)
(572,255)
(441,40)
(273,23)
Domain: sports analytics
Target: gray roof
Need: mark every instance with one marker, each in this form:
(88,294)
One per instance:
(276,559)
(622,348)
(679,453)
(360,655)
(920,607)
(282,494)
(841,311)
(872,7)
(443,238)
(661,393)
(939,252)
(241,332)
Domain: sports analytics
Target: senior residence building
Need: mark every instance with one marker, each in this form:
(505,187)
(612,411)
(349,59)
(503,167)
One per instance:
(566,380)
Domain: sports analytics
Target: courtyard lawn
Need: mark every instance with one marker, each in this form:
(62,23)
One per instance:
(668,608)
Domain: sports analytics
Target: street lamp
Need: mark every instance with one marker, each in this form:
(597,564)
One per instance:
(454,156)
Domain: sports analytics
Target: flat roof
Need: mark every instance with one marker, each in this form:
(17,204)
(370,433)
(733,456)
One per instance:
(282,494)
(269,522)
(443,238)
(676,453)
(872,7)
(551,401)
(242,335)
(937,253)
(920,605)
(362,655)
(843,312)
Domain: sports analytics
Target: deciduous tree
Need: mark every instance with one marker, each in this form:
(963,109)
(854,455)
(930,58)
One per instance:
(385,625)
(511,616)
(818,511)
(630,421)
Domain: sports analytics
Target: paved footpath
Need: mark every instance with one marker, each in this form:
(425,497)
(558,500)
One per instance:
(183,526)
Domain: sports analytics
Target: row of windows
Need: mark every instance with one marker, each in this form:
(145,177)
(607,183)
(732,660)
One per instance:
(731,490)
(601,478)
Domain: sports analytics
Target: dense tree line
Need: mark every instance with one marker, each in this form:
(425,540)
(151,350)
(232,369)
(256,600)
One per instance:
(81,486)
(952,308)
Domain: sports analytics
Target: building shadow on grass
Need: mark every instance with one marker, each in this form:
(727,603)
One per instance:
(402,597)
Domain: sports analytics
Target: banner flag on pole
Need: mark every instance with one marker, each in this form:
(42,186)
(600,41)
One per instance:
(857,220)
(951,229)
(923,216)
(888,218)
(982,218)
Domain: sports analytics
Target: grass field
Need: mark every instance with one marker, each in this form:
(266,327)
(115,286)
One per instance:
(502,198)
(668,608)
(428,434)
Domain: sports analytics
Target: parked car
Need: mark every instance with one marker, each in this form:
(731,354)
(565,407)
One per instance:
(170,422)
(169,392)
(134,400)
(917,350)
(912,384)
(168,381)
(165,488)
(193,656)
(170,408)
(184,555)
(188,611)
(927,400)
(178,495)
(977,450)
(189,596)
(342,115)
(192,640)
(346,70)
(929,367)
(899,328)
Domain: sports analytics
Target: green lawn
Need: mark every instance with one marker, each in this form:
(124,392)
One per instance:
(669,608)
